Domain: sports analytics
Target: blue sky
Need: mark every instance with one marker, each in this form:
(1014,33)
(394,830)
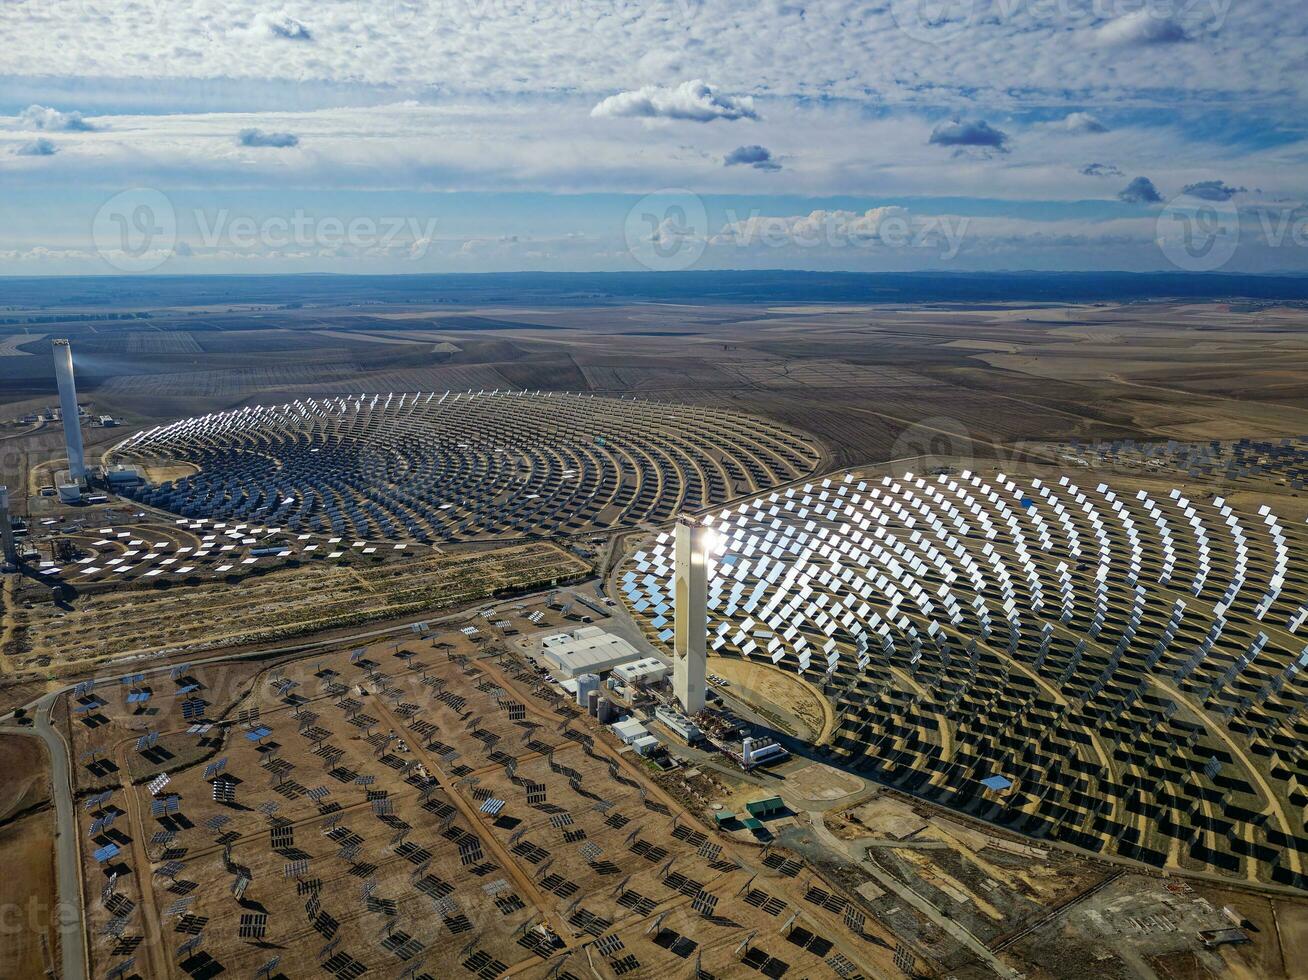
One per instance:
(484,135)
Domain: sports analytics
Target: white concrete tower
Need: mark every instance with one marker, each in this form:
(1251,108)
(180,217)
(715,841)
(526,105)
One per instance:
(690,592)
(63,362)
(7,548)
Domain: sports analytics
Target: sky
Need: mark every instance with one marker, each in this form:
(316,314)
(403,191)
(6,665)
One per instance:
(394,136)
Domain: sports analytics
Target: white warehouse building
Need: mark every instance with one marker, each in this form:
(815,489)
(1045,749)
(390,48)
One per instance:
(589,650)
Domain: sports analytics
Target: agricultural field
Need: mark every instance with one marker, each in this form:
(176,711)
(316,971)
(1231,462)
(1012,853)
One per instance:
(871,382)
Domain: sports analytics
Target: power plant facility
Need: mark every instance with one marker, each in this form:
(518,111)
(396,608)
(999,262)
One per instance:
(69,488)
(889,650)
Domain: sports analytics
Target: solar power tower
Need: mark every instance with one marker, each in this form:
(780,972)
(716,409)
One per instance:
(690,584)
(63,363)
(10,553)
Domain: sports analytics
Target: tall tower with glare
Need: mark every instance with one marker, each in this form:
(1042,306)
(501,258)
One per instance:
(63,362)
(690,595)
(10,552)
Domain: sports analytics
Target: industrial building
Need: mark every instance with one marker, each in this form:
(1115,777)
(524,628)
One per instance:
(588,650)
(756,751)
(632,732)
(678,723)
(642,673)
(120,477)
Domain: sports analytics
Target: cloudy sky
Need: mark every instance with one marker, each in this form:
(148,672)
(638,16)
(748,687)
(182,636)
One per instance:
(485,135)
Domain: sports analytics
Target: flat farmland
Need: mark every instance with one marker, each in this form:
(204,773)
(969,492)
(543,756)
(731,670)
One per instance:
(870,381)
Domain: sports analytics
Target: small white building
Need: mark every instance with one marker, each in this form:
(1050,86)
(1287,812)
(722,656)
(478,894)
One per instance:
(640,673)
(646,744)
(588,650)
(119,475)
(629,731)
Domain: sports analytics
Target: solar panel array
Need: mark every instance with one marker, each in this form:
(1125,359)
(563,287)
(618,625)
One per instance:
(453,466)
(1064,660)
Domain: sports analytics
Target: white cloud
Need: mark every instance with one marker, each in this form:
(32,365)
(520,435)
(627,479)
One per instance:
(821,227)
(282,27)
(1083,122)
(40,147)
(829,51)
(52,120)
(1142,27)
(695,101)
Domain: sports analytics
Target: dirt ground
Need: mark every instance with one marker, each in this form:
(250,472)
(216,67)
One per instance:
(872,382)
(386,846)
(881,816)
(29,939)
(821,783)
(769,688)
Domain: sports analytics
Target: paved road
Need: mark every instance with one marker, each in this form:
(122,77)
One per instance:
(68,911)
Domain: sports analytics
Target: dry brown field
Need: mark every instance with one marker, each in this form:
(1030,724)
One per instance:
(29,925)
(872,382)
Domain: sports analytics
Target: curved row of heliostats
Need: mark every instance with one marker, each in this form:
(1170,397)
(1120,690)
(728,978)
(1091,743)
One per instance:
(452,466)
(1063,659)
